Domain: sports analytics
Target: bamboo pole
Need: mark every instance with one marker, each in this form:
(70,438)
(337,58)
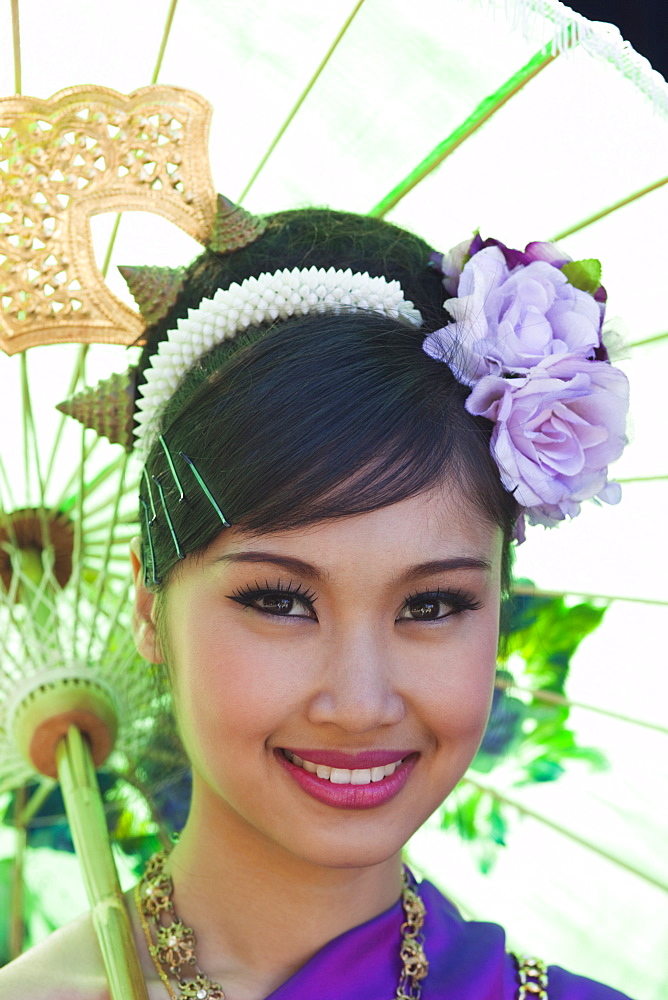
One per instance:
(16,922)
(111,921)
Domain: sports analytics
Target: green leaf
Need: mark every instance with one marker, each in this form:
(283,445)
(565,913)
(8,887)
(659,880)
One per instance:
(584,274)
(543,769)
(461,812)
(497,824)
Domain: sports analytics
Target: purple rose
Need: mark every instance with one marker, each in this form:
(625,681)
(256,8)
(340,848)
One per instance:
(451,264)
(508,320)
(549,252)
(556,430)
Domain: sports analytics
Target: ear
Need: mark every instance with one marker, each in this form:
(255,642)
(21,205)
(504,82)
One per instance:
(143,618)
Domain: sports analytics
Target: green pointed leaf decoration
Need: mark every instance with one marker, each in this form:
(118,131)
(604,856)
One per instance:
(584,274)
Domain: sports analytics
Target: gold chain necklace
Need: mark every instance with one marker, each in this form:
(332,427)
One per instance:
(173,951)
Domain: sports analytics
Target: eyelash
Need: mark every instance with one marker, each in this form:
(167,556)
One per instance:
(459,600)
(247,595)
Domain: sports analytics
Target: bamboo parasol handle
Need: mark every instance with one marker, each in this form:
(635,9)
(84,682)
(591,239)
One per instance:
(85,814)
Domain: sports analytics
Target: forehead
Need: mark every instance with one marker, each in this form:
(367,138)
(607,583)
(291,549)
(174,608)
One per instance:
(440,523)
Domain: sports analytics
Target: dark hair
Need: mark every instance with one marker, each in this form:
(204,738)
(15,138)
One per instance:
(317,417)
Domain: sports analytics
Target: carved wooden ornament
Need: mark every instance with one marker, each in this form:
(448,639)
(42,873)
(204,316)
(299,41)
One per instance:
(84,151)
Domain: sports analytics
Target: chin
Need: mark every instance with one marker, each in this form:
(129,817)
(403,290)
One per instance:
(348,851)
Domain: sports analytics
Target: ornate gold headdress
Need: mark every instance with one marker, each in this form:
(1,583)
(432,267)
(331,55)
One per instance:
(84,151)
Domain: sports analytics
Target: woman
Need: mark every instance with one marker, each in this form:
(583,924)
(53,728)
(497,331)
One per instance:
(335,469)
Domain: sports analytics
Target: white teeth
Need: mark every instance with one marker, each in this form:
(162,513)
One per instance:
(344,775)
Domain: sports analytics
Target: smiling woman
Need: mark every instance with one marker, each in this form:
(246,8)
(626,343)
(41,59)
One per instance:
(368,661)
(338,454)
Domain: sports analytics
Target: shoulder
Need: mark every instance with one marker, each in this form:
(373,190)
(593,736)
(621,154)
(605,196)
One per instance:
(467,954)
(65,966)
(564,985)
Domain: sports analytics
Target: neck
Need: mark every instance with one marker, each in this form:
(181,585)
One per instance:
(239,892)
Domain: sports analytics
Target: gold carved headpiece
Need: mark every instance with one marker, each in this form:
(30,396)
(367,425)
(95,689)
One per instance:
(85,151)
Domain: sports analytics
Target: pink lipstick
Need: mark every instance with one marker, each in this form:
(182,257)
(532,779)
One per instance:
(362,780)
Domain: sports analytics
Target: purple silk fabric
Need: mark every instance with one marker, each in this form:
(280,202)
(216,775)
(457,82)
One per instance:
(467,961)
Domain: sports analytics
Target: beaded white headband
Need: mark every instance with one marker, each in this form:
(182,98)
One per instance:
(255,301)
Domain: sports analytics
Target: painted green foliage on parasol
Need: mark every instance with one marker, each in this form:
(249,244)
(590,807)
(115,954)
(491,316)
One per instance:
(527,731)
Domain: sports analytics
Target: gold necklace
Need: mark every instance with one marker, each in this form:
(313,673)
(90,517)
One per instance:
(173,951)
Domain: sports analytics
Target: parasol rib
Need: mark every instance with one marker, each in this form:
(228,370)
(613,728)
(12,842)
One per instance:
(154,79)
(127,518)
(99,543)
(30,431)
(608,211)
(482,113)
(8,602)
(10,505)
(78,548)
(300,100)
(16,45)
(77,375)
(521,588)
(643,479)
(553,698)
(650,340)
(114,467)
(123,597)
(569,834)
(107,554)
(65,502)
(110,246)
(165,39)
(36,801)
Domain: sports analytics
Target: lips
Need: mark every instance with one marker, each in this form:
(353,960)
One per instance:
(339,758)
(350,787)
(344,775)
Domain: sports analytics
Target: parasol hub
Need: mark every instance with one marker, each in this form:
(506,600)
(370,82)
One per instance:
(44,707)
(32,541)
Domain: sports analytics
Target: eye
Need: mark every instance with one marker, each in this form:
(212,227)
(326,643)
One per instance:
(437,605)
(281,604)
(280,601)
(426,609)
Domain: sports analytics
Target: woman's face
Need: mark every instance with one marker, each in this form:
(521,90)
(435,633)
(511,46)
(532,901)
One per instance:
(306,663)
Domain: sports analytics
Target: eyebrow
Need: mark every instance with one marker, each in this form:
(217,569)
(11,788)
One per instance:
(446,566)
(290,563)
(301,568)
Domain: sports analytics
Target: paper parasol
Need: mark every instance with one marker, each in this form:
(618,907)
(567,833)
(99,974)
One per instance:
(447,116)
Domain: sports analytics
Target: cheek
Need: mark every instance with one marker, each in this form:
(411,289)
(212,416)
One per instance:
(230,693)
(460,688)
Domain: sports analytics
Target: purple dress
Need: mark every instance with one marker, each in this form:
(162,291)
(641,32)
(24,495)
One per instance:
(467,961)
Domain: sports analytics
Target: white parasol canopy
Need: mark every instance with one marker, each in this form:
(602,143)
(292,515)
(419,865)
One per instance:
(527,121)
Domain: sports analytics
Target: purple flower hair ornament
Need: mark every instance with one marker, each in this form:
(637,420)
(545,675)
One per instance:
(526,337)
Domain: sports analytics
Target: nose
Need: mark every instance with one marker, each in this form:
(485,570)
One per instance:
(356,689)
